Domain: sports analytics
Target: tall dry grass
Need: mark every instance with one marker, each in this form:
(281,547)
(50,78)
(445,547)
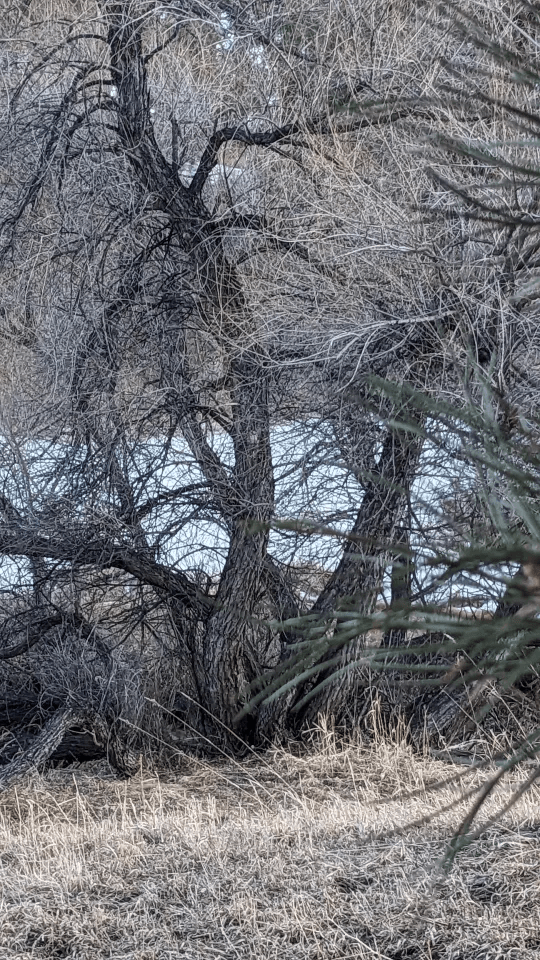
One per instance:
(289,856)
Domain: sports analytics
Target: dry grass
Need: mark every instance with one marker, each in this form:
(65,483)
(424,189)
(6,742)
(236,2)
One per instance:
(285,858)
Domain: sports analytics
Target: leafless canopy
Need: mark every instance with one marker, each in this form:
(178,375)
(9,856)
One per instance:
(216,225)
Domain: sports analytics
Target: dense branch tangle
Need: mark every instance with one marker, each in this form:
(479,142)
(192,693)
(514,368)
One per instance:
(225,195)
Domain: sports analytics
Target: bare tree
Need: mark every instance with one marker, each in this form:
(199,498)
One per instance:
(207,249)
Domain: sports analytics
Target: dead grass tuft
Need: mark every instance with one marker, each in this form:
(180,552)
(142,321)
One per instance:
(286,857)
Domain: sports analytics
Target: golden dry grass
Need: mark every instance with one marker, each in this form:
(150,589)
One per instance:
(287,857)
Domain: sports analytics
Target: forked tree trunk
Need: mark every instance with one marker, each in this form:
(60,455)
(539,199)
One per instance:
(245,494)
(358,579)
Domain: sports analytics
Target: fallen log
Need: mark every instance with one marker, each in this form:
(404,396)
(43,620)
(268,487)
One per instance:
(41,748)
(70,735)
(77,746)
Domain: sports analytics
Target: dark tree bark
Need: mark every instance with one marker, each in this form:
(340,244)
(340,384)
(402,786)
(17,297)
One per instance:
(400,585)
(41,748)
(357,580)
(69,735)
(246,493)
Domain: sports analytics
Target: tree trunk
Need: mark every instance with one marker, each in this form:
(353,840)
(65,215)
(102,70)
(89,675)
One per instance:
(247,494)
(231,628)
(400,586)
(358,579)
